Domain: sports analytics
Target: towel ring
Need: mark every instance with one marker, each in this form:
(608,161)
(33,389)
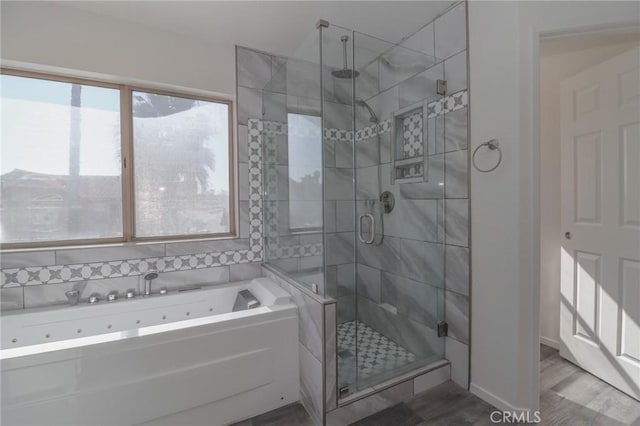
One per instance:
(492,145)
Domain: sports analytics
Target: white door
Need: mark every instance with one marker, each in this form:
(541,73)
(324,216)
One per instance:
(600,290)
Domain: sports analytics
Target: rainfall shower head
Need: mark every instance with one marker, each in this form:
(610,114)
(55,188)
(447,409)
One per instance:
(345,73)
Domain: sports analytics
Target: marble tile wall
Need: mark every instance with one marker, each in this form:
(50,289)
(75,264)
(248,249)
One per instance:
(339,193)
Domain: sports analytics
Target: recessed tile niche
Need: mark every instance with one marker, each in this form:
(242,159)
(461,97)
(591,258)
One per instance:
(409,153)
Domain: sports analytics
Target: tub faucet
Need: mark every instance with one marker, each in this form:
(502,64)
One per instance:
(148,277)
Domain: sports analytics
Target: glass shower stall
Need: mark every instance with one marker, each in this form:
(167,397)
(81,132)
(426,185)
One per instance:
(354,195)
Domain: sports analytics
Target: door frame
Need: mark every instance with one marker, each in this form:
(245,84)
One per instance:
(537,37)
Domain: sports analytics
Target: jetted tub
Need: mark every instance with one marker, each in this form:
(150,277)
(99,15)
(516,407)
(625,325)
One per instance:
(182,358)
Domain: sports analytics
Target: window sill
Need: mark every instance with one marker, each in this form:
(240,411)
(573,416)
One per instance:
(118,244)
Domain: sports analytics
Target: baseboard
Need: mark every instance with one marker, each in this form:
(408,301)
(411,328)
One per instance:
(495,400)
(550,342)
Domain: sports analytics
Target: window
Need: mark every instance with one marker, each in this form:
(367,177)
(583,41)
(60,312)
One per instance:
(181,167)
(66,169)
(60,170)
(305,172)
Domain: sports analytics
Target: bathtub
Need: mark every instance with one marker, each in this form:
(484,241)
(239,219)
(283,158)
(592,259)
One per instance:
(177,359)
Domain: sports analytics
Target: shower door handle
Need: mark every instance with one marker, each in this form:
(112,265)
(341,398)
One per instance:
(372,228)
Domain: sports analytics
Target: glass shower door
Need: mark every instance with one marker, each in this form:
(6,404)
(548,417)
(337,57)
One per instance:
(385,260)
(339,191)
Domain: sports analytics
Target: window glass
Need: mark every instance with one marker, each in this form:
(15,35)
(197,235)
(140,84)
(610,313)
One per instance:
(305,171)
(181,165)
(60,168)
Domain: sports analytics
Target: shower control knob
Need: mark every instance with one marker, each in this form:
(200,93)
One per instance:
(130,294)
(112,297)
(94,299)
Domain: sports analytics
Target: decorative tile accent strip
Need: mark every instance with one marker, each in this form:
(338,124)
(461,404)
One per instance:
(370,131)
(255,189)
(448,104)
(274,127)
(434,109)
(456,101)
(272,239)
(38,275)
(286,252)
(338,135)
(384,126)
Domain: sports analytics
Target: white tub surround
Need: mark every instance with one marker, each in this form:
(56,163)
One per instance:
(182,358)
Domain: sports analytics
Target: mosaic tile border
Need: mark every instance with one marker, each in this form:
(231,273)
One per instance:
(286,252)
(54,274)
(337,135)
(370,131)
(448,104)
(123,268)
(255,128)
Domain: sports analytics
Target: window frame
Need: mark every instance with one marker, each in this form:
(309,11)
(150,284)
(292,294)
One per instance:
(127,165)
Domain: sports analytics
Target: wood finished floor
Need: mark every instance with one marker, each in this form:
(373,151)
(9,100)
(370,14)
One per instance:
(569,396)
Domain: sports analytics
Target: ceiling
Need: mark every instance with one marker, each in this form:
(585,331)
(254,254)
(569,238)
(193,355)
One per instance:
(274,26)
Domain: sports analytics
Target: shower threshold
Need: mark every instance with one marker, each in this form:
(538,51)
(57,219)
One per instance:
(409,375)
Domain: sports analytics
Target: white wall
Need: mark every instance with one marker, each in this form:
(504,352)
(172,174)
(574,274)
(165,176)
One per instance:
(504,204)
(52,35)
(559,60)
